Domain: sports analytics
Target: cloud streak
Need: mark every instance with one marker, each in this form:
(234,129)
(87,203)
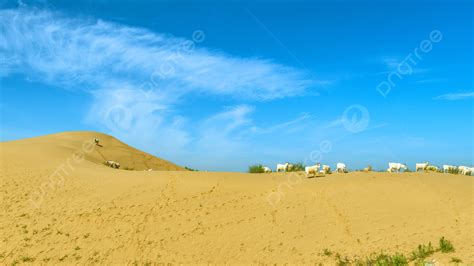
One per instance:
(77,52)
(456,96)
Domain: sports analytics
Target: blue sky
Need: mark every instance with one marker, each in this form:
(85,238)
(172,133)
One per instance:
(220,85)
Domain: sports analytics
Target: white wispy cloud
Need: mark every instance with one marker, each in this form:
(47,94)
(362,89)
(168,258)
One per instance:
(394,63)
(77,52)
(456,96)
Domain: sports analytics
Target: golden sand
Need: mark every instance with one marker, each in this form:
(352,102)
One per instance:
(60,204)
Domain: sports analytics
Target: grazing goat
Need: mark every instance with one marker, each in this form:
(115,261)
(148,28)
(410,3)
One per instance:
(341,168)
(267,169)
(312,170)
(421,166)
(396,167)
(465,170)
(112,164)
(283,167)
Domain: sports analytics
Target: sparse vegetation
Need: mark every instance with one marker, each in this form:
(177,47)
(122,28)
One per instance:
(422,252)
(256,169)
(129,168)
(384,259)
(397,259)
(190,169)
(297,167)
(445,245)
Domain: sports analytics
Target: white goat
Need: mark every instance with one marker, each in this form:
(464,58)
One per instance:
(341,168)
(465,170)
(267,169)
(312,169)
(112,164)
(396,167)
(421,166)
(282,167)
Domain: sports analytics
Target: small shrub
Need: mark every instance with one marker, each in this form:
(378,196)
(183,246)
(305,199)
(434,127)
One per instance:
(190,169)
(129,168)
(399,259)
(386,260)
(445,245)
(422,252)
(256,169)
(456,260)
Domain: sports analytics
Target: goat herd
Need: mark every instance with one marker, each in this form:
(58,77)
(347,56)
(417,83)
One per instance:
(341,167)
(392,167)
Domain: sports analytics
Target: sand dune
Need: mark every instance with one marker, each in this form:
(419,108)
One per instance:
(86,212)
(59,146)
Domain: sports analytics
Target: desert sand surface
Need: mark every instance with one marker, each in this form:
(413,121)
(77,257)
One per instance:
(87,213)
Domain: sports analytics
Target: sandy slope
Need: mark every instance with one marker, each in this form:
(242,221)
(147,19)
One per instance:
(90,213)
(58,146)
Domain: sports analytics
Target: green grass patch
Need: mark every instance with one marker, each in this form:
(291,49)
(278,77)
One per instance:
(382,259)
(298,166)
(190,169)
(422,252)
(256,169)
(445,245)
